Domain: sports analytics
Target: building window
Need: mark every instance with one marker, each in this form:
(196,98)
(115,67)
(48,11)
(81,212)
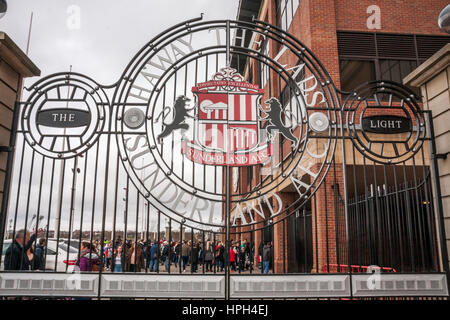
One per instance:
(396,70)
(375,56)
(288,97)
(249,176)
(263,68)
(356,72)
(286,10)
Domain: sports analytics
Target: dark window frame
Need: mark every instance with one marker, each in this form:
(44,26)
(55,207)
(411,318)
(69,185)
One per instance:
(285,13)
(363,59)
(375,40)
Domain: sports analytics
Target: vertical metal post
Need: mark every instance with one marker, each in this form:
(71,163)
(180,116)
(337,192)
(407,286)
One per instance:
(227,192)
(345,196)
(439,205)
(8,175)
(62,168)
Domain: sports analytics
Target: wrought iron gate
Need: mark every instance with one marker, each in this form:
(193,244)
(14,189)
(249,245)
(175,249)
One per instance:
(232,136)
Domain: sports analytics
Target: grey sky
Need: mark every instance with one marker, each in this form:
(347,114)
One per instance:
(110,33)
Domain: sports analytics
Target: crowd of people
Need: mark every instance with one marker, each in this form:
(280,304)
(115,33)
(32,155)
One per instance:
(131,256)
(28,253)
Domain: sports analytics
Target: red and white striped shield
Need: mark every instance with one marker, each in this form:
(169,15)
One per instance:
(227,125)
(227,120)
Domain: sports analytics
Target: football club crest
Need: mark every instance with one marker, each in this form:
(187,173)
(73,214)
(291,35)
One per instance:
(227,128)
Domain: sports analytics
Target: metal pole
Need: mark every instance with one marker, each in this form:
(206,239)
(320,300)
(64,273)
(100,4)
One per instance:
(29,34)
(61,172)
(8,176)
(227,185)
(75,170)
(345,195)
(439,205)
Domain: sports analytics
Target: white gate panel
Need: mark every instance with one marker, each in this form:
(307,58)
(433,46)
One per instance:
(289,286)
(394,285)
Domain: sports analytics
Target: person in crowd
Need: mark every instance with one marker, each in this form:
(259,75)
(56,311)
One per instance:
(39,254)
(201,253)
(131,256)
(141,245)
(172,252)
(247,251)
(233,257)
(118,261)
(161,248)
(266,257)
(220,258)
(16,257)
(136,258)
(89,260)
(194,257)
(166,255)
(118,243)
(177,255)
(252,256)
(88,257)
(153,254)
(126,251)
(185,252)
(31,260)
(146,252)
(107,254)
(209,256)
(260,253)
(242,259)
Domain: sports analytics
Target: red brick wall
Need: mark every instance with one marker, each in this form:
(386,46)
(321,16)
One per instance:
(317,21)
(280,250)
(397,16)
(328,218)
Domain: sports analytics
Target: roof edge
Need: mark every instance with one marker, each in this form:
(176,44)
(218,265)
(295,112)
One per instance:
(430,68)
(16,58)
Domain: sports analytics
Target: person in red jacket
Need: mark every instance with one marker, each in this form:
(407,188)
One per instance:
(233,257)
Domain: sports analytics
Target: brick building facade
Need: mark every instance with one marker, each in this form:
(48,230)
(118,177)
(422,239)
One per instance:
(357,41)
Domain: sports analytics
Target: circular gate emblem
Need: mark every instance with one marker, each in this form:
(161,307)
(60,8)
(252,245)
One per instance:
(134,118)
(65,115)
(385,122)
(185,114)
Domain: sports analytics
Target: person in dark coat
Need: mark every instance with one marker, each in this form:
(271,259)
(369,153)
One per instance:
(185,252)
(16,257)
(247,252)
(39,254)
(177,256)
(266,257)
(209,256)
(220,256)
(165,254)
(194,257)
(153,255)
(241,257)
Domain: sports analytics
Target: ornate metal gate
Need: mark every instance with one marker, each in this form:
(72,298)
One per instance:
(232,137)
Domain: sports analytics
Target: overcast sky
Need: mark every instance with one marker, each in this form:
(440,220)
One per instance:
(110,32)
